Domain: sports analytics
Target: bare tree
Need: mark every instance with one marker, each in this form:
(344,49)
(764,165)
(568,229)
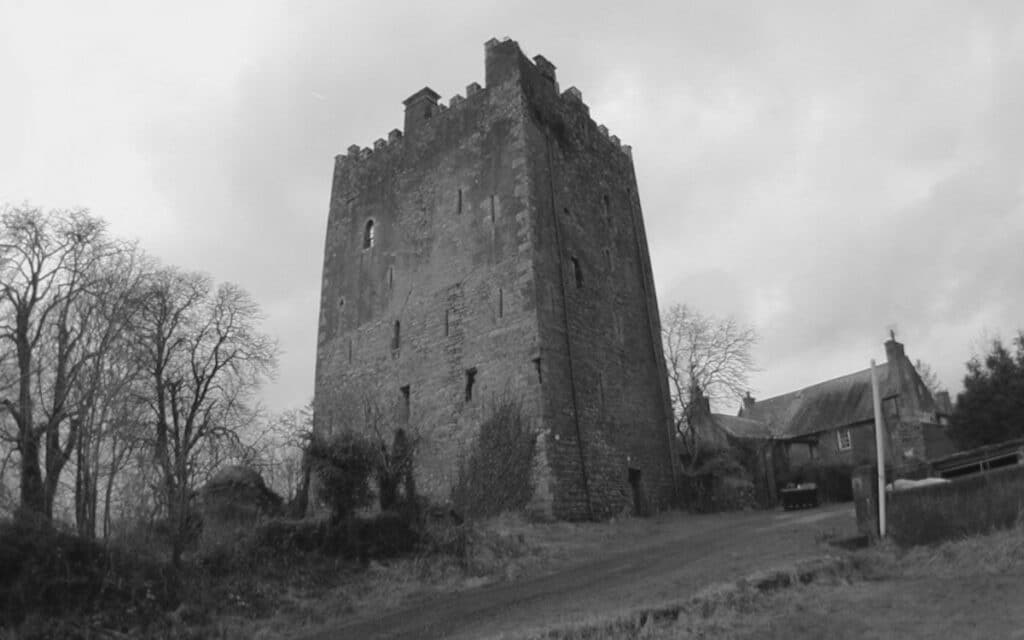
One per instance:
(204,357)
(928,377)
(48,271)
(706,356)
(105,395)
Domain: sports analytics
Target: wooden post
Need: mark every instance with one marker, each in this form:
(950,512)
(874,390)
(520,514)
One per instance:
(879,449)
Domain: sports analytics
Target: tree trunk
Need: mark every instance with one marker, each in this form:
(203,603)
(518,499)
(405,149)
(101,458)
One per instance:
(33,497)
(85,492)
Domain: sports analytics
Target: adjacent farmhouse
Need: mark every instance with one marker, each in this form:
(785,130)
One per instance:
(496,248)
(832,422)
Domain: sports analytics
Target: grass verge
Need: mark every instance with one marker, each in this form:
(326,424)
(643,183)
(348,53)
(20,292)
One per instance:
(974,584)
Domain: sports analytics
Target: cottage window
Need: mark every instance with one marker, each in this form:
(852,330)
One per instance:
(844,440)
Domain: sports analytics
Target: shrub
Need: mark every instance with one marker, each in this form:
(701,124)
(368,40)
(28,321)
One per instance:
(495,474)
(965,506)
(717,481)
(343,463)
(51,573)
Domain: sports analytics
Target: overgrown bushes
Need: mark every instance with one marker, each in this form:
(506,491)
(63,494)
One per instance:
(969,505)
(495,473)
(717,481)
(343,464)
(49,573)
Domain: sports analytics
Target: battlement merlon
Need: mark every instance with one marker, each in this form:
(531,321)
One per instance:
(504,62)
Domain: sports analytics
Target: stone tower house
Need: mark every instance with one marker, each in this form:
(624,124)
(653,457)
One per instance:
(496,248)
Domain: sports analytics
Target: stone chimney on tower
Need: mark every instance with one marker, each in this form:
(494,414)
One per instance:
(420,107)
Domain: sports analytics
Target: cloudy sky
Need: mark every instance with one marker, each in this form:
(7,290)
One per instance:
(821,170)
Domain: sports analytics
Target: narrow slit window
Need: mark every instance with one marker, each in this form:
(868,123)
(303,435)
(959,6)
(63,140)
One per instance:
(391,277)
(396,337)
(350,350)
(470,381)
(369,235)
(492,208)
(501,303)
(540,375)
(341,303)
(405,404)
(447,322)
(458,207)
(609,259)
(577,272)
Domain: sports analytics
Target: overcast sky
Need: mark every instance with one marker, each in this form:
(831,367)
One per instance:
(821,170)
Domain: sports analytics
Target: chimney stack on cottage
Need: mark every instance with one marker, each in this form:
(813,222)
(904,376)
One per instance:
(748,401)
(894,350)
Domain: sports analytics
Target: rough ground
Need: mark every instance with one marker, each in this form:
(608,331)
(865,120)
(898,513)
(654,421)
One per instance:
(668,561)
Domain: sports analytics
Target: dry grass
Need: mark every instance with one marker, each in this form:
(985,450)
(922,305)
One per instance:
(974,585)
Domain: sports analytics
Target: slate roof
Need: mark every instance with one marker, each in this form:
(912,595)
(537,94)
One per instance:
(742,428)
(833,404)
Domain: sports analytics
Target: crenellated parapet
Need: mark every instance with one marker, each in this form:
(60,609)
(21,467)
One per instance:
(424,110)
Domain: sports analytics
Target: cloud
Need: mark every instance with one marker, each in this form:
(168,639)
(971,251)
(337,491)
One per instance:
(821,169)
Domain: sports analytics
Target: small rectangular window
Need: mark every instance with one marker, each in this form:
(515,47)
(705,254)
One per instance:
(540,375)
(501,303)
(577,272)
(492,209)
(396,337)
(470,381)
(844,440)
(458,206)
(391,277)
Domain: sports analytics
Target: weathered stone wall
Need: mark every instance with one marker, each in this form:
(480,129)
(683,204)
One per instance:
(605,398)
(450,262)
(482,215)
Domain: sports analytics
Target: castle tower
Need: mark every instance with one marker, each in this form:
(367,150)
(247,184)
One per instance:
(497,249)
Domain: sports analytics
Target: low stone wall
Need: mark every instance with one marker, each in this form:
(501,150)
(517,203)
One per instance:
(968,505)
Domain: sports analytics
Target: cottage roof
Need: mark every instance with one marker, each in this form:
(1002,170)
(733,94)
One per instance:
(833,404)
(742,428)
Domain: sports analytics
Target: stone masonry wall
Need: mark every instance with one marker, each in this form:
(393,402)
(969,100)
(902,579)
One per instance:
(450,262)
(605,393)
(507,239)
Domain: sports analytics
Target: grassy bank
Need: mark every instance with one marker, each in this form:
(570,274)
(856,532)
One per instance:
(973,587)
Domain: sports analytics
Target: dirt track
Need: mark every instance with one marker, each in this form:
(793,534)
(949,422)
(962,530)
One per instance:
(670,565)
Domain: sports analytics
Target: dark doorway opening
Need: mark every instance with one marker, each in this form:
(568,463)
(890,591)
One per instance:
(640,505)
